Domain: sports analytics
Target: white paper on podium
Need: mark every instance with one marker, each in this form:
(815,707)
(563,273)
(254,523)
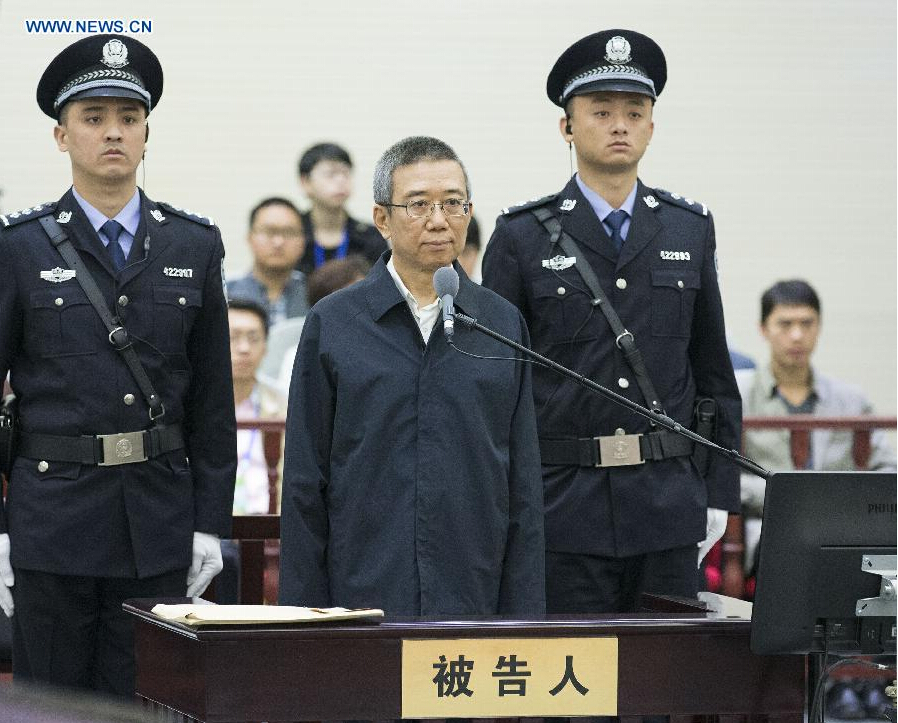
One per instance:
(205,614)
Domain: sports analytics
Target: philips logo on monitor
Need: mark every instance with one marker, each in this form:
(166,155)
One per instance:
(885,508)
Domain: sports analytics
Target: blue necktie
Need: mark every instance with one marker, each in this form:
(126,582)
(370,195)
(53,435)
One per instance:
(112,230)
(616,219)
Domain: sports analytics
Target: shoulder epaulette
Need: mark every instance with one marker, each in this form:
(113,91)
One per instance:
(26,214)
(675,199)
(532,203)
(186,213)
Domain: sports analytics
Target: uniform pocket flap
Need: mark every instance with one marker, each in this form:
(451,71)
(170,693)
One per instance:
(676,278)
(182,296)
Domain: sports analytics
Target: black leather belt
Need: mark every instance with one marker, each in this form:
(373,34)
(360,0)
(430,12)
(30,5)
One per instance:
(102,449)
(614,450)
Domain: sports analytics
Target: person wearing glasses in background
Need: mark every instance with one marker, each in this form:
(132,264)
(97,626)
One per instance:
(277,242)
(411,472)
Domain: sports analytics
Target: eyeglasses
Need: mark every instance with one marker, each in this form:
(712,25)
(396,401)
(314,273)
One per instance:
(285,232)
(423,209)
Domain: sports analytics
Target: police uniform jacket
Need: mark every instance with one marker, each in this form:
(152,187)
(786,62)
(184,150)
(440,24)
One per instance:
(364,239)
(663,286)
(132,519)
(411,474)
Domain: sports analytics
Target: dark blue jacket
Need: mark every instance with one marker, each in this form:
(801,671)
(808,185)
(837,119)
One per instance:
(664,288)
(411,472)
(133,519)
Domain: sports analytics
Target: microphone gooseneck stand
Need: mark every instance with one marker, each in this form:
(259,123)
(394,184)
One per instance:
(662,420)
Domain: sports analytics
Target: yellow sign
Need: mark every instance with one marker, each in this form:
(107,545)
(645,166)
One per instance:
(500,677)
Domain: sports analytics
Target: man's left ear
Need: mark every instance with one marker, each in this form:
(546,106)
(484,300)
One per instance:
(146,136)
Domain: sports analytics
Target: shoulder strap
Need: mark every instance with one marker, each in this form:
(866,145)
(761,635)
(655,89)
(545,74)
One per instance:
(622,338)
(118,335)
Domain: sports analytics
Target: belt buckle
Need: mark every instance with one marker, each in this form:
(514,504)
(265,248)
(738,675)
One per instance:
(619,450)
(123,448)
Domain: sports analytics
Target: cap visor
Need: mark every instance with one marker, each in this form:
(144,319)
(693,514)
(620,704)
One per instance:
(110,92)
(623,86)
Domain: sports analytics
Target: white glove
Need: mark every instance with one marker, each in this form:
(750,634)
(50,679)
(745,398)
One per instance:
(206,563)
(717,525)
(6,577)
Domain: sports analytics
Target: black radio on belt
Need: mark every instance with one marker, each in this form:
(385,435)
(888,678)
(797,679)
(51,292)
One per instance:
(8,433)
(705,424)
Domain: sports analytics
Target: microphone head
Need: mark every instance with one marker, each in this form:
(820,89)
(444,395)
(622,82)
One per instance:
(445,281)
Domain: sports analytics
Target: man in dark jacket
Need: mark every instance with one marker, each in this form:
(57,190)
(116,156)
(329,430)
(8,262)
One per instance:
(626,504)
(411,474)
(124,477)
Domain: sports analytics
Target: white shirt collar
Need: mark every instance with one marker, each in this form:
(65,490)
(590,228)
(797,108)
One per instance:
(425,316)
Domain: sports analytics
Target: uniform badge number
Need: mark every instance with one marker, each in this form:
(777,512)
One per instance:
(57,275)
(559,263)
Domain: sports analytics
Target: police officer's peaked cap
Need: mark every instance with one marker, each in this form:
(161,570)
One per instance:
(116,66)
(621,60)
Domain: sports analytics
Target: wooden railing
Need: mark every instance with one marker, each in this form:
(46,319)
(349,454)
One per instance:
(800,426)
(259,533)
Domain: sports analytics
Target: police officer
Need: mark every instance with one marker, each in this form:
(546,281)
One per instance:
(122,484)
(626,504)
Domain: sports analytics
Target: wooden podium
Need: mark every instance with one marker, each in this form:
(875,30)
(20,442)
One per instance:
(672,660)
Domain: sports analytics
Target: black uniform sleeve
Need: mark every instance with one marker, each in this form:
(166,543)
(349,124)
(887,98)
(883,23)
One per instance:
(714,377)
(210,429)
(10,332)
(501,271)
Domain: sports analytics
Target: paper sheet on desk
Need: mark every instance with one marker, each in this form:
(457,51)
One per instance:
(205,614)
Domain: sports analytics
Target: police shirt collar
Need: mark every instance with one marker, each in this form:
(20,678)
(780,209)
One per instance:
(129,216)
(600,205)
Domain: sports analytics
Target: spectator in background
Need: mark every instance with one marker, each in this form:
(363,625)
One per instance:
(253,399)
(789,384)
(277,243)
(325,176)
(470,254)
(333,275)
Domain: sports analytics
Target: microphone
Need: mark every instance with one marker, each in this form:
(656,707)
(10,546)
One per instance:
(445,283)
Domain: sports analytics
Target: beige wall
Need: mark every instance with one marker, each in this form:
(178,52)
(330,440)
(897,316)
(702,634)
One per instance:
(780,116)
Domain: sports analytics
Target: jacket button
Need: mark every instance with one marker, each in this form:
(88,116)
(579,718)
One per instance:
(42,466)
(58,301)
(182,301)
(122,300)
(619,431)
(680,284)
(623,383)
(128,399)
(561,291)
(621,283)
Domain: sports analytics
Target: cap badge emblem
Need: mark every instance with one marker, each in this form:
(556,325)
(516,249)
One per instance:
(115,54)
(64,217)
(157,214)
(568,204)
(650,201)
(617,50)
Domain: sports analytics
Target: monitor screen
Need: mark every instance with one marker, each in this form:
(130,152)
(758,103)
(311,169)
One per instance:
(816,529)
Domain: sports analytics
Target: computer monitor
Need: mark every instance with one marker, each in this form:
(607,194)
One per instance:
(816,529)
